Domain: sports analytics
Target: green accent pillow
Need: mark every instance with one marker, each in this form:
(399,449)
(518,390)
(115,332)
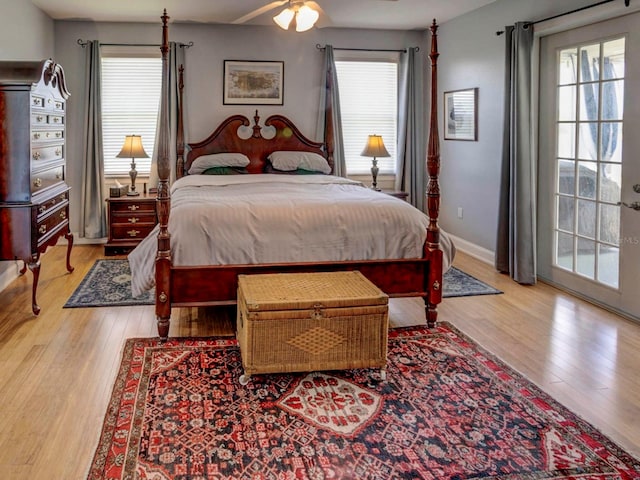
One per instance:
(224,171)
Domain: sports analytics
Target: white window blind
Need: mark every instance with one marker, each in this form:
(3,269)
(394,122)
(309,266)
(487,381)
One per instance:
(369,106)
(130,101)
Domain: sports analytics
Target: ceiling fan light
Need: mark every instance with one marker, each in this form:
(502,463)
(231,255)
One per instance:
(283,19)
(306,18)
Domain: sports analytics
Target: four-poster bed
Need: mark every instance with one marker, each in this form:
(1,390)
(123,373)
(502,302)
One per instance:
(187,283)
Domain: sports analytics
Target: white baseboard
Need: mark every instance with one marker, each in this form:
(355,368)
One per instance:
(9,273)
(473,250)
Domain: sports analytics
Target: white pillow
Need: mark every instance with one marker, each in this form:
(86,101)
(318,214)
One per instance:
(205,162)
(288,161)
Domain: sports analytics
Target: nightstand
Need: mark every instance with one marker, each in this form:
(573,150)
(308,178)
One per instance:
(397,193)
(130,219)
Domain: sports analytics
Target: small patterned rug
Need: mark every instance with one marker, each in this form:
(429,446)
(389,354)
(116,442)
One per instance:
(108,284)
(448,410)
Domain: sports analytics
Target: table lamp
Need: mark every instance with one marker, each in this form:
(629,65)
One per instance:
(375,148)
(132,149)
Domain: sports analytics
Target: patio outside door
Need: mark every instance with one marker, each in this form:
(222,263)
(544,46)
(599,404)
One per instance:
(589,162)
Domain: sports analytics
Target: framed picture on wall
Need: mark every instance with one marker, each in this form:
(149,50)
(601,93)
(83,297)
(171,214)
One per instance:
(249,82)
(460,114)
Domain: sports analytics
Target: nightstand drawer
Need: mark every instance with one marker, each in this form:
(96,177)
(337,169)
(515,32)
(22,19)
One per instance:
(132,206)
(397,193)
(128,218)
(130,232)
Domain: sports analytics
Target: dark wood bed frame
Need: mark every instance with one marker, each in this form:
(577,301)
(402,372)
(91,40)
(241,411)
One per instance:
(181,286)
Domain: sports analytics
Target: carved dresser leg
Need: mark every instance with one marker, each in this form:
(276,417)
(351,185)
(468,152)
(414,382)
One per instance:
(34,266)
(69,237)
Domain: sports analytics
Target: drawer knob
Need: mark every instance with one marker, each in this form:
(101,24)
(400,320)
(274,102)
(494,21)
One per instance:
(63,214)
(133,208)
(58,151)
(36,155)
(58,175)
(133,233)
(36,135)
(39,118)
(134,220)
(42,208)
(42,229)
(56,119)
(36,101)
(58,105)
(58,134)
(37,182)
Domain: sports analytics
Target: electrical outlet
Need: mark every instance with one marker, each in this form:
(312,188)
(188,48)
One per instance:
(459,212)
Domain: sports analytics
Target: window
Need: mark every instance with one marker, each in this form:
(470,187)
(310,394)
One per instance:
(131,83)
(369,105)
(589,121)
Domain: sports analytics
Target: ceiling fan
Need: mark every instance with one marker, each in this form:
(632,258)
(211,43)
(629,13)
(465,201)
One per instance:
(302,13)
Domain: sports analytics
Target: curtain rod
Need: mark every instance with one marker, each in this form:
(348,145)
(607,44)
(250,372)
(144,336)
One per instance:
(320,47)
(527,24)
(83,43)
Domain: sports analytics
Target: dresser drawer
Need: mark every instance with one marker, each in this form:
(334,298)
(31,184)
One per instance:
(47,103)
(50,224)
(52,103)
(38,136)
(46,207)
(41,154)
(46,119)
(47,178)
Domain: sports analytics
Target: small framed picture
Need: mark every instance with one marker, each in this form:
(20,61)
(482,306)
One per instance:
(460,114)
(249,82)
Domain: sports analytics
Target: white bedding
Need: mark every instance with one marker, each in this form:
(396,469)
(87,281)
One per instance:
(266,218)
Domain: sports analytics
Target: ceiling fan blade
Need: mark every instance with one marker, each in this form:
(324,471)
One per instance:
(259,11)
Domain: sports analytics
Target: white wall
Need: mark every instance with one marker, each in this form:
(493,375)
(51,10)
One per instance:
(472,55)
(26,33)
(204,70)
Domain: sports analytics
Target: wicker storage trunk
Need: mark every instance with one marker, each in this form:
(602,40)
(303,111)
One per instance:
(298,322)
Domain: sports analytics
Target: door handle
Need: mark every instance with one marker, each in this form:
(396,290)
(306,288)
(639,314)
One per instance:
(634,205)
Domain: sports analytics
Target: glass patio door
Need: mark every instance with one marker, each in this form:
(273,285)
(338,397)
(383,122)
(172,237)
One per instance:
(589,173)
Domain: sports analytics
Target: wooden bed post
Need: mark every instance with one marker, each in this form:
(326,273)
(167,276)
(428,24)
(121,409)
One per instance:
(180,134)
(163,257)
(432,245)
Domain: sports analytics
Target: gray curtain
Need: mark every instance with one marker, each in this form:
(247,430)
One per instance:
(175,59)
(411,155)
(516,239)
(93,222)
(329,92)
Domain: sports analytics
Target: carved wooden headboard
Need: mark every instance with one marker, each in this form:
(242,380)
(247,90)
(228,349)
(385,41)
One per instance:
(234,135)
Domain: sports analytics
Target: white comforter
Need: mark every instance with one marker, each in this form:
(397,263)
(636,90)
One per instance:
(266,218)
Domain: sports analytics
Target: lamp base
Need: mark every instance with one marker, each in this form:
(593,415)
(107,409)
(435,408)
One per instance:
(132,194)
(376,189)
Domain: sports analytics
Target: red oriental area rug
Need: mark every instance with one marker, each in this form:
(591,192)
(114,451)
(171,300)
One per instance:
(448,410)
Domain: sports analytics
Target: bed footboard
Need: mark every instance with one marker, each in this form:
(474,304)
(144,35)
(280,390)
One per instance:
(211,285)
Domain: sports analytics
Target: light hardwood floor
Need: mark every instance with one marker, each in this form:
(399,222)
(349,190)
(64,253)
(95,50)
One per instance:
(57,369)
